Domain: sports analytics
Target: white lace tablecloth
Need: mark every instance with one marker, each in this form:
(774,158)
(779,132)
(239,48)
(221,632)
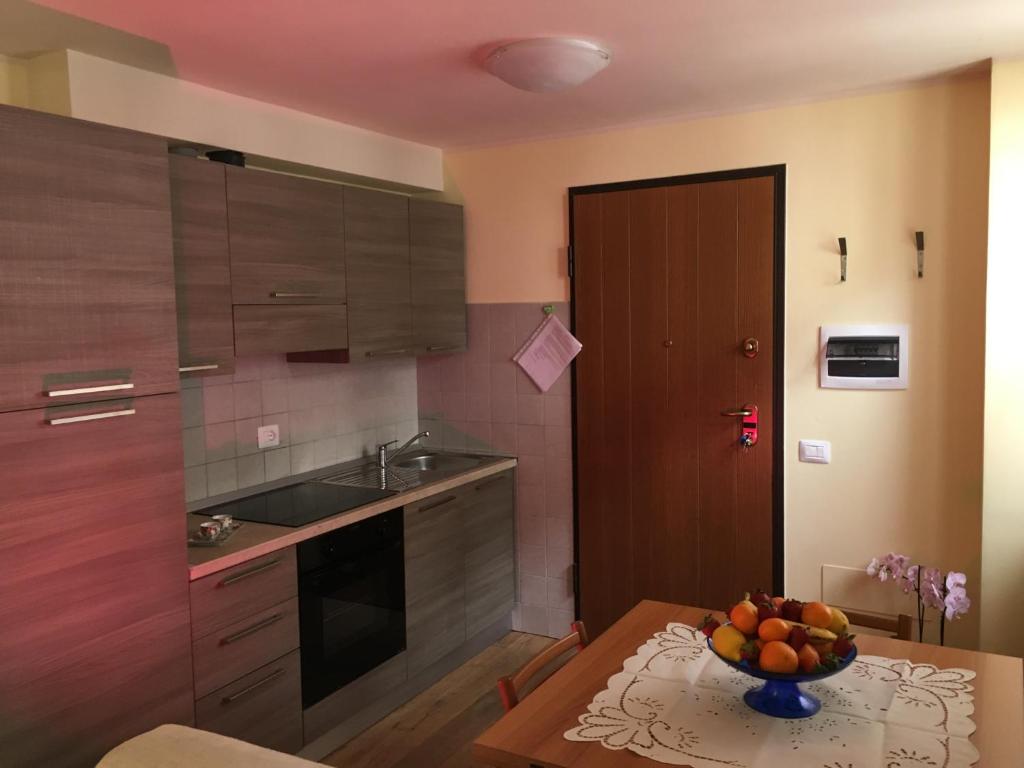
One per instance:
(677,703)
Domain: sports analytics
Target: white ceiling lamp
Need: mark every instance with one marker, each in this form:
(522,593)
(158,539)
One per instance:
(547,64)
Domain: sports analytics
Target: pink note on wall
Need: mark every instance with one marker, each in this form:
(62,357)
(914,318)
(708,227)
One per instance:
(547,353)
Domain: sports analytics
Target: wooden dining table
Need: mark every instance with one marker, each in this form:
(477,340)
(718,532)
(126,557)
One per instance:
(531,735)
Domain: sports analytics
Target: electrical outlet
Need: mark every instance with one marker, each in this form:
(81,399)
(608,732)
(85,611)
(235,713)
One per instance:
(268,436)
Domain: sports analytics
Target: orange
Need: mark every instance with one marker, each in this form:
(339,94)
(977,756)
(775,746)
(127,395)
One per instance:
(777,656)
(817,615)
(778,601)
(774,629)
(808,658)
(744,617)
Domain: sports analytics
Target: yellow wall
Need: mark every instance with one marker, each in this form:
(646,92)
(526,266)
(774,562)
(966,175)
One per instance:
(1003,534)
(13,81)
(906,471)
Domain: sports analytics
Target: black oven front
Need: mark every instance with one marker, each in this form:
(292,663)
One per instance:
(351,603)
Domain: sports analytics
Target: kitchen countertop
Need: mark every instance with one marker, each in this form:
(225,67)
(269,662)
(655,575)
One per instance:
(254,540)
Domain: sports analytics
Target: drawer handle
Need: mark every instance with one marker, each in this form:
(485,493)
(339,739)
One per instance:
(488,483)
(251,630)
(387,352)
(287,295)
(91,417)
(250,688)
(251,572)
(436,504)
(193,368)
(88,390)
(442,348)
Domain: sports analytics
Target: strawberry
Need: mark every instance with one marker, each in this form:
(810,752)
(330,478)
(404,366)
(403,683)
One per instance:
(759,596)
(792,610)
(830,661)
(797,638)
(749,651)
(766,611)
(843,646)
(709,625)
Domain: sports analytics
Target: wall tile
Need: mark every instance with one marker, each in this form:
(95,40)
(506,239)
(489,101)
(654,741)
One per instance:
(194,444)
(503,437)
(248,399)
(478,321)
(562,385)
(503,378)
(559,532)
(246,439)
(530,438)
(559,622)
(325,452)
(560,596)
(303,458)
(528,318)
(532,561)
(533,620)
(429,402)
(529,409)
(274,395)
(453,373)
(218,404)
(251,470)
(428,374)
(558,501)
(503,408)
(559,562)
(478,406)
(454,405)
(221,477)
(478,436)
(283,422)
(533,590)
(557,410)
(532,531)
(531,500)
(192,407)
(195,483)
(524,384)
(220,441)
(277,463)
(478,378)
(558,442)
(248,368)
(530,471)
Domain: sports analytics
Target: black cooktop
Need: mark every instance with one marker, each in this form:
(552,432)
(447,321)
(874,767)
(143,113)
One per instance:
(296,505)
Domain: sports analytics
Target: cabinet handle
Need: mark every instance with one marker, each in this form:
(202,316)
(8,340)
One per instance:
(250,630)
(488,483)
(251,572)
(387,352)
(91,417)
(287,295)
(192,368)
(442,348)
(437,504)
(250,688)
(88,390)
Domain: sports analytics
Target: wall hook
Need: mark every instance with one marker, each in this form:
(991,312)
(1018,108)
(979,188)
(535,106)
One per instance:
(842,259)
(919,238)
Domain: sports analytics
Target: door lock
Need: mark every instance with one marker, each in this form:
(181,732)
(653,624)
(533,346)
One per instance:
(751,347)
(751,421)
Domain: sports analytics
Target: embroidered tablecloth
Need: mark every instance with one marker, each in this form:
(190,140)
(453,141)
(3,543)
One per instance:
(677,703)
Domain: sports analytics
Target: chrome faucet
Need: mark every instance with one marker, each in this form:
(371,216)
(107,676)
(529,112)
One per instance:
(384,460)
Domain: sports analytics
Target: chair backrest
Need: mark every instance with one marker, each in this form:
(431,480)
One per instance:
(510,687)
(900,625)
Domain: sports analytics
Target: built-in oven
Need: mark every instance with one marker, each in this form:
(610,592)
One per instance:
(351,603)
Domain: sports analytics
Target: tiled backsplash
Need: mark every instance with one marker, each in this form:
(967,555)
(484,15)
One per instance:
(325,413)
(482,401)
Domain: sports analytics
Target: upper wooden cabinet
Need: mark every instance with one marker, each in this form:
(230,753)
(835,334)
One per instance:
(438,256)
(202,273)
(377,269)
(287,239)
(86,268)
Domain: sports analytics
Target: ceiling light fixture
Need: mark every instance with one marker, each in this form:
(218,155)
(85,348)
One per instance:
(547,64)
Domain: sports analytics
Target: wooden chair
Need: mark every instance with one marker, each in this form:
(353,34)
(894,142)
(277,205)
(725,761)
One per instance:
(900,625)
(510,687)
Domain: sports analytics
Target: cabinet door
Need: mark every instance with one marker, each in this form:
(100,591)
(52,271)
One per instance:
(438,276)
(434,582)
(86,266)
(95,644)
(490,552)
(202,274)
(261,330)
(287,239)
(378,273)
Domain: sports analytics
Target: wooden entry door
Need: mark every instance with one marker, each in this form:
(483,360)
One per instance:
(669,282)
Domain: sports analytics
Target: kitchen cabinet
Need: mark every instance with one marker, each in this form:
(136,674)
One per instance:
(287,239)
(437,249)
(95,645)
(202,273)
(377,267)
(262,330)
(86,264)
(490,552)
(434,579)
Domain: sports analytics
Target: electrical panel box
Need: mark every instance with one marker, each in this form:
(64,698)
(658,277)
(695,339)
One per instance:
(864,356)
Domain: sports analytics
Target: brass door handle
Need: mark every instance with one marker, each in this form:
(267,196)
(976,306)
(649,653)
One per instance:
(737,412)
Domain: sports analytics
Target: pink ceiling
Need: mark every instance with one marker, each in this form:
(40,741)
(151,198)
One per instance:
(410,67)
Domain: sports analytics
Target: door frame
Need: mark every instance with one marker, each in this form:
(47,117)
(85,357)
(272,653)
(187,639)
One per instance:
(778,174)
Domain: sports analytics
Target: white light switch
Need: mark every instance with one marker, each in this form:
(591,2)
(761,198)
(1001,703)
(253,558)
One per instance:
(268,436)
(816,451)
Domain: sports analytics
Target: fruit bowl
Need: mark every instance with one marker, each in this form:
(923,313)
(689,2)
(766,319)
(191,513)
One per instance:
(780,696)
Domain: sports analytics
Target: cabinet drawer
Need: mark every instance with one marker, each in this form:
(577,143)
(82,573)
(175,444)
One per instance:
(227,654)
(262,330)
(227,597)
(263,708)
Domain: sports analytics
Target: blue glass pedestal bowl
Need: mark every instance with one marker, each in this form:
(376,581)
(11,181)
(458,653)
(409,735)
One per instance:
(780,696)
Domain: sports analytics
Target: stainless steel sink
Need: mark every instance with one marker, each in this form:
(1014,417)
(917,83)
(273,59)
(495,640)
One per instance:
(438,462)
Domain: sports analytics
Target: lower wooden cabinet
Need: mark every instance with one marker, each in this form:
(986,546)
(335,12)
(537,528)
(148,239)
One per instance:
(490,562)
(263,707)
(94,614)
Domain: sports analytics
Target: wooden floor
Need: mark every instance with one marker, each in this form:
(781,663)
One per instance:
(436,729)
